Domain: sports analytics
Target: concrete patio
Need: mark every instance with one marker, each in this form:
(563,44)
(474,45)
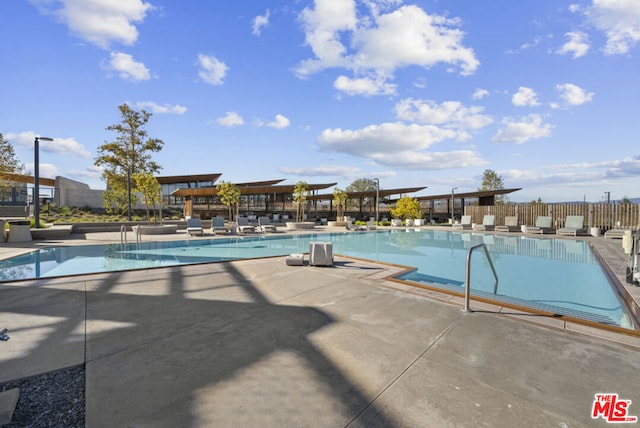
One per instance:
(259,343)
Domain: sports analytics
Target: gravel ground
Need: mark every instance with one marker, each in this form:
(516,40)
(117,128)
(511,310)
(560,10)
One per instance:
(53,399)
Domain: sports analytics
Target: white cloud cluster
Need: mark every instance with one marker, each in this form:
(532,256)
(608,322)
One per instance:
(60,146)
(230,119)
(100,22)
(525,97)
(577,45)
(348,172)
(450,114)
(619,20)
(280,122)
(127,68)
(212,70)
(573,95)
(479,94)
(364,86)
(530,127)
(161,108)
(259,22)
(380,43)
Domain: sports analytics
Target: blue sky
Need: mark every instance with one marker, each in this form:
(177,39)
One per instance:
(423,93)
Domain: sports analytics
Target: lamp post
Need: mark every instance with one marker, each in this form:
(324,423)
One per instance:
(452,203)
(377,196)
(36,178)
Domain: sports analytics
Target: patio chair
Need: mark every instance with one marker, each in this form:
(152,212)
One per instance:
(488,223)
(350,226)
(217,225)
(371,224)
(244,226)
(510,225)
(465,223)
(194,227)
(543,225)
(265,225)
(573,225)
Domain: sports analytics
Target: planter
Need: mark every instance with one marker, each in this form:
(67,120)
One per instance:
(148,229)
(396,222)
(53,232)
(337,224)
(304,225)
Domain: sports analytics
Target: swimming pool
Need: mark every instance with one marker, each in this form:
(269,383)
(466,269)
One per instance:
(555,276)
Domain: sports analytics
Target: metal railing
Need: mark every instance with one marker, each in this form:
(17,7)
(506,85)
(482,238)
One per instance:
(467,285)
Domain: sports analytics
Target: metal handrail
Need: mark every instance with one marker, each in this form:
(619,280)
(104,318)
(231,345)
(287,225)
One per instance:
(467,285)
(123,234)
(138,234)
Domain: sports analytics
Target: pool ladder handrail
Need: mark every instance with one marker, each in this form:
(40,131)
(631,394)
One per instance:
(123,234)
(467,285)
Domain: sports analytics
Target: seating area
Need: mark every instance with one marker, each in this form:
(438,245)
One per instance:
(510,225)
(573,225)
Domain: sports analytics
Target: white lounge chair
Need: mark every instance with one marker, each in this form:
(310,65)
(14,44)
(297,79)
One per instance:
(465,223)
(543,225)
(244,226)
(217,225)
(488,223)
(265,225)
(194,227)
(573,225)
(371,224)
(510,225)
(350,226)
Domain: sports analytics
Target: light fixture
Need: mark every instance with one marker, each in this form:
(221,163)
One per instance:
(452,203)
(36,178)
(377,196)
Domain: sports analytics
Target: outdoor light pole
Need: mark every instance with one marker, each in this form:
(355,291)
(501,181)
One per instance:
(377,196)
(36,178)
(452,203)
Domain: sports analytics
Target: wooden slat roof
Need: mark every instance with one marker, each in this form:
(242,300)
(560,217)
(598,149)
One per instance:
(372,193)
(18,178)
(478,194)
(249,190)
(172,179)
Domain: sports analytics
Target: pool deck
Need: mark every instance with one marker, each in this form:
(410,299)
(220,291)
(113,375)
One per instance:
(258,343)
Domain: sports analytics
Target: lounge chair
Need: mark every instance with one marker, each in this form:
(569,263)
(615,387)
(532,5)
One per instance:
(510,225)
(350,226)
(543,225)
(217,225)
(371,225)
(615,233)
(244,226)
(265,225)
(573,225)
(194,227)
(488,223)
(465,223)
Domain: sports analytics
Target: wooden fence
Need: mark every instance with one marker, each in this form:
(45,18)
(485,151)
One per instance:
(602,215)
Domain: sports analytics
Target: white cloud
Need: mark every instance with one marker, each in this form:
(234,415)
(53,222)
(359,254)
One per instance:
(399,145)
(324,171)
(525,97)
(101,22)
(161,108)
(259,22)
(381,42)
(127,68)
(46,170)
(573,95)
(527,128)
(231,118)
(60,146)
(578,44)
(619,20)
(479,94)
(212,70)
(89,172)
(451,114)
(364,86)
(280,122)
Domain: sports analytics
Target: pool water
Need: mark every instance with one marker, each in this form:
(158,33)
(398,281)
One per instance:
(558,276)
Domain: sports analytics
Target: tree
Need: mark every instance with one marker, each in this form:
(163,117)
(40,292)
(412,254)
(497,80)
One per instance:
(300,194)
(229,195)
(407,207)
(625,200)
(9,162)
(129,154)
(340,200)
(148,185)
(362,185)
(492,181)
